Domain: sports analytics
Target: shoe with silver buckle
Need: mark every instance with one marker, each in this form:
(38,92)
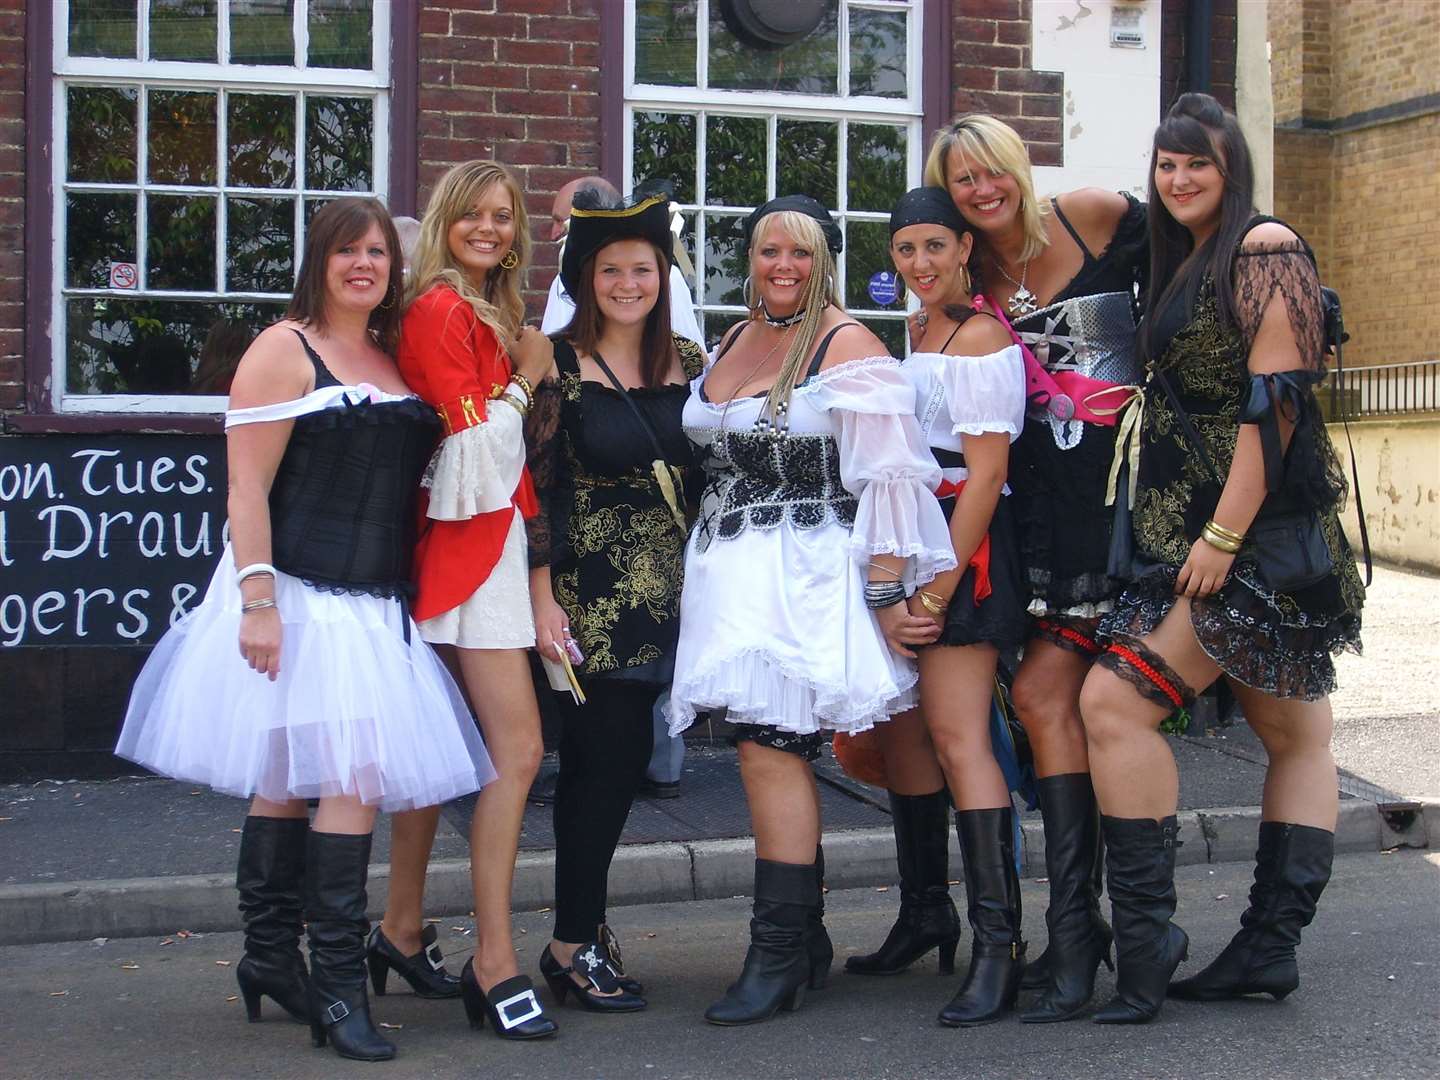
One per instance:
(425,971)
(514,1010)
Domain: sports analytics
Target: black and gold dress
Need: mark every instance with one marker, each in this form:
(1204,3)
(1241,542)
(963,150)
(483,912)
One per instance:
(1280,643)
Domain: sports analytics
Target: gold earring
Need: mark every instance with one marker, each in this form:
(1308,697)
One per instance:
(510,260)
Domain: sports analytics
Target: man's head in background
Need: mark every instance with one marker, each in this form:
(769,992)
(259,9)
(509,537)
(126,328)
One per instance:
(560,210)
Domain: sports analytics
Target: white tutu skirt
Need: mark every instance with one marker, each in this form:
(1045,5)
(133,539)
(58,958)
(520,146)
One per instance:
(356,710)
(774,629)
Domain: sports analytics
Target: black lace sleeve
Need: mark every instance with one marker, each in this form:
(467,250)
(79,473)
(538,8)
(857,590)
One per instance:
(1284,270)
(547,531)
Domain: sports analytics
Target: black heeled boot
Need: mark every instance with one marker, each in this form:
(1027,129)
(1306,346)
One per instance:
(1037,971)
(817,939)
(337,866)
(1292,867)
(1140,855)
(777,965)
(425,971)
(270,875)
(992,895)
(927,918)
(1079,937)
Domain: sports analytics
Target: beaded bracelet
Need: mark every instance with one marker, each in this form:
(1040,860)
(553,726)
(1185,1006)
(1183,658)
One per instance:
(253,570)
(525,385)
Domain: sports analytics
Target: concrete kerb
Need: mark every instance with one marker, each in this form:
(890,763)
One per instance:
(642,874)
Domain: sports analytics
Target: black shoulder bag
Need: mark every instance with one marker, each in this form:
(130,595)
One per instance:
(666,475)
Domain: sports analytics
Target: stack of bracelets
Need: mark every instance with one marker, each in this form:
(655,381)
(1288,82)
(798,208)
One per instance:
(883,594)
(1221,538)
(519,402)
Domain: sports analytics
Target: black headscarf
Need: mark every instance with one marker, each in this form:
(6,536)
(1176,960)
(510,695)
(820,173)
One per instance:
(802,204)
(927,206)
(594,224)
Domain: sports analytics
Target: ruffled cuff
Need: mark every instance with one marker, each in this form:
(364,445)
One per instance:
(901,517)
(475,471)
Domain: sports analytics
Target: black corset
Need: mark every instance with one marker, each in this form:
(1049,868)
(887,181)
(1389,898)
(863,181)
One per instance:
(757,480)
(342,507)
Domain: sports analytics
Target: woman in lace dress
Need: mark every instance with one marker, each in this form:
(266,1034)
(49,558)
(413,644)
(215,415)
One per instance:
(818,494)
(1233,338)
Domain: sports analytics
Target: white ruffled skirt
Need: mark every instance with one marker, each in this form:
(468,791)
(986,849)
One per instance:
(774,629)
(356,709)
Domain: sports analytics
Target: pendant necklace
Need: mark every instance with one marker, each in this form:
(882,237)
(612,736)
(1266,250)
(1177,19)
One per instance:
(781,322)
(1023,302)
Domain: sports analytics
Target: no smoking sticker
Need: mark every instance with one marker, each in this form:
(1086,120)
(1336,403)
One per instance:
(124,275)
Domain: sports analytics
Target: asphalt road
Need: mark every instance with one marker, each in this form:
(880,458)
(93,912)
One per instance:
(1367,1007)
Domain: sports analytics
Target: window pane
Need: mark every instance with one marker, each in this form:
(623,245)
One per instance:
(261,133)
(665,150)
(806,156)
(867,252)
(338,139)
(715,325)
(876,156)
(665,42)
(103,28)
(100,133)
(810,66)
(340,33)
(180,242)
(726,265)
(181,148)
(889,331)
(119,345)
(183,30)
(262,32)
(877,52)
(260,252)
(734,160)
(99,230)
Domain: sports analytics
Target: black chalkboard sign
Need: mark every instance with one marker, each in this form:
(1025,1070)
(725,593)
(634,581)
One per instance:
(106,540)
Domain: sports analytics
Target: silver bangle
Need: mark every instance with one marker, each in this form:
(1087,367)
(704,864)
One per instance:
(257,605)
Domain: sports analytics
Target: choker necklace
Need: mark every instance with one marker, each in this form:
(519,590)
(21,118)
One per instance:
(1023,302)
(781,322)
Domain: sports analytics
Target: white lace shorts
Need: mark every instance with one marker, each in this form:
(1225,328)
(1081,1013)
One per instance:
(497,615)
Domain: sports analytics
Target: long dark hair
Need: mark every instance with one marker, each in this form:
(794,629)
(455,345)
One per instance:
(657,346)
(336,224)
(1199,125)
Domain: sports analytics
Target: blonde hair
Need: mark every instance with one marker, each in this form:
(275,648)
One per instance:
(499,306)
(820,292)
(997,146)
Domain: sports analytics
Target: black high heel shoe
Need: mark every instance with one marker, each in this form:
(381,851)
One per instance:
(513,1008)
(601,991)
(611,946)
(425,971)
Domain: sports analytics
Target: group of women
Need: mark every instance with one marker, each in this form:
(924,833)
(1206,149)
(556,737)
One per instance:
(422,488)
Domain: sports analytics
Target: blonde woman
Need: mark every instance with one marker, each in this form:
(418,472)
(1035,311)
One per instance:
(464,350)
(818,491)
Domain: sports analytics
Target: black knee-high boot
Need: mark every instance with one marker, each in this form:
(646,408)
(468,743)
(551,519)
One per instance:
(777,965)
(337,865)
(1292,867)
(927,918)
(1079,936)
(1140,855)
(817,938)
(992,896)
(1037,971)
(270,875)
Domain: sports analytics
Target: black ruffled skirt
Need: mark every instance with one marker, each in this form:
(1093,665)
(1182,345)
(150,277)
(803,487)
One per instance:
(1000,618)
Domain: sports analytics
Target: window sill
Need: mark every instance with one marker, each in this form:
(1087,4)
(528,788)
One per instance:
(114,423)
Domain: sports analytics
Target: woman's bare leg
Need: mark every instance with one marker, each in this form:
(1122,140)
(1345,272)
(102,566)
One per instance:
(1046,695)
(956,683)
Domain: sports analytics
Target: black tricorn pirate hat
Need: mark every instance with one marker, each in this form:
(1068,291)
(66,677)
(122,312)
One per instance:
(594,223)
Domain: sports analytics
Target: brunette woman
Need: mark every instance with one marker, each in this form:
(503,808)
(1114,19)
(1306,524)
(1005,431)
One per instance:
(818,492)
(1234,343)
(333,694)
(610,461)
(462,327)
(1064,272)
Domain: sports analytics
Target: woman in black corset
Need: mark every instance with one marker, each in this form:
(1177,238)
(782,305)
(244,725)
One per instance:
(301,675)
(1064,272)
(610,462)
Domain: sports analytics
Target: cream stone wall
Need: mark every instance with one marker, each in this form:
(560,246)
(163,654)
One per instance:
(1399,464)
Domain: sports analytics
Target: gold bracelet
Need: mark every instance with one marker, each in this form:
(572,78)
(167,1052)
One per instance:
(509,399)
(1228,534)
(935,605)
(885,569)
(524,384)
(1220,543)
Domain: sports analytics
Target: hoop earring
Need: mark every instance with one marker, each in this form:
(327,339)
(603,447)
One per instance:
(509,260)
(745,287)
(965,277)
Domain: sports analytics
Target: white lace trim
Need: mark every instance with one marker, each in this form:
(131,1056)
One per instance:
(475,471)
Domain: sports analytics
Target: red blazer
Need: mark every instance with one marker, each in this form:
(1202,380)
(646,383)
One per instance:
(457,364)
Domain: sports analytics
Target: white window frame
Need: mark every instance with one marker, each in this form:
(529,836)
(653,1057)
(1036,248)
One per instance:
(221,78)
(904,112)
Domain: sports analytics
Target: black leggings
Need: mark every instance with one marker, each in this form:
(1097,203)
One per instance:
(605,747)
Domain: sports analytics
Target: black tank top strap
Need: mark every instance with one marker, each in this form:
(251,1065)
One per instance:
(727,345)
(1055,205)
(819,357)
(951,337)
(323,375)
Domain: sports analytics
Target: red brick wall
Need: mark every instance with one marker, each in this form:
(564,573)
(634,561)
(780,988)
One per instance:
(521,85)
(992,74)
(1222,51)
(12,205)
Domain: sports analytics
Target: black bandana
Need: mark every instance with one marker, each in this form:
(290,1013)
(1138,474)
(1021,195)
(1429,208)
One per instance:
(927,206)
(802,204)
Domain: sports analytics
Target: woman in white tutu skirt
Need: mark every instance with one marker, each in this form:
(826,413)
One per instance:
(301,675)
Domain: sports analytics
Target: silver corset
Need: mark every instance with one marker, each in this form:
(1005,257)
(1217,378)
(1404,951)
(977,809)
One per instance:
(1091,335)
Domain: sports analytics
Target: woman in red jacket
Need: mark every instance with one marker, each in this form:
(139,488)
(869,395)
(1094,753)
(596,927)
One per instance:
(464,349)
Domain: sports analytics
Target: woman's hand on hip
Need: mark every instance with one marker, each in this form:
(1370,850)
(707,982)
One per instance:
(1204,571)
(260,634)
(902,629)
